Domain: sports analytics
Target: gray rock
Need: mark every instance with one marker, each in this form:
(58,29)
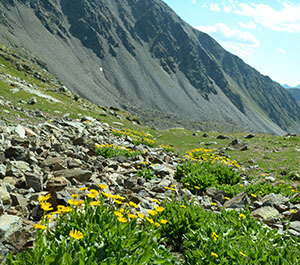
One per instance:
(160,170)
(32,101)
(223,137)
(9,224)
(17,152)
(2,171)
(250,136)
(20,131)
(4,195)
(241,200)
(75,173)
(54,163)
(295,225)
(266,212)
(273,199)
(34,181)
(57,184)
(296,216)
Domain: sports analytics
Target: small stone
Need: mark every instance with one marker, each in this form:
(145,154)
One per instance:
(32,101)
(75,173)
(34,181)
(241,200)
(57,184)
(223,137)
(266,212)
(9,224)
(295,225)
(20,131)
(250,136)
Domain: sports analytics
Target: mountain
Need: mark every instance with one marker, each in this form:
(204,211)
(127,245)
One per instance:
(295,92)
(139,55)
(288,86)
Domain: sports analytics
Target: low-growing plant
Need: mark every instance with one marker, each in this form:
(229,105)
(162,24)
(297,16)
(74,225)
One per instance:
(200,176)
(91,231)
(205,237)
(146,173)
(167,148)
(138,137)
(261,188)
(110,150)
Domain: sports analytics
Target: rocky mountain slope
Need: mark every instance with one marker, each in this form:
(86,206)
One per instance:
(295,92)
(141,56)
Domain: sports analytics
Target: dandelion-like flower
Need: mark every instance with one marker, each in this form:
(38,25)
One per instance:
(163,221)
(152,212)
(122,219)
(46,206)
(39,226)
(159,209)
(140,215)
(103,186)
(76,234)
(94,203)
(214,254)
(242,215)
(44,198)
(132,204)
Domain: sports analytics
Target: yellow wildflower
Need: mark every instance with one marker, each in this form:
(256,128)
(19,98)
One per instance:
(155,200)
(122,219)
(182,206)
(157,224)
(253,195)
(76,234)
(94,203)
(75,195)
(292,211)
(214,236)
(103,186)
(133,204)
(159,209)
(140,215)
(227,198)
(83,188)
(242,215)
(152,212)
(163,221)
(46,206)
(118,202)
(44,198)
(150,220)
(118,214)
(197,187)
(243,254)
(214,254)
(131,216)
(39,226)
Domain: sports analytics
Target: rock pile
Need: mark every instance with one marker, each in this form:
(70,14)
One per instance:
(58,157)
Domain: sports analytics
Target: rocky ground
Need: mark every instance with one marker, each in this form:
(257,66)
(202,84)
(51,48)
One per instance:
(58,157)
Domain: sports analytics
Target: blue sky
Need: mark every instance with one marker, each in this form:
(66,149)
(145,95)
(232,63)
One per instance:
(265,34)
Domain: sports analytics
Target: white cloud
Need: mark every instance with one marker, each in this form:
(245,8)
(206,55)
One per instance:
(222,32)
(214,7)
(250,25)
(194,1)
(281,50)
(238,42)
(285,19)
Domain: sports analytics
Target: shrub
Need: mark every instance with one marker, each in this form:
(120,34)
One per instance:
(200,176)
(110,150)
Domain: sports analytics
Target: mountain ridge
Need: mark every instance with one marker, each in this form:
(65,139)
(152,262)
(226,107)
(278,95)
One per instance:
(139,54)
